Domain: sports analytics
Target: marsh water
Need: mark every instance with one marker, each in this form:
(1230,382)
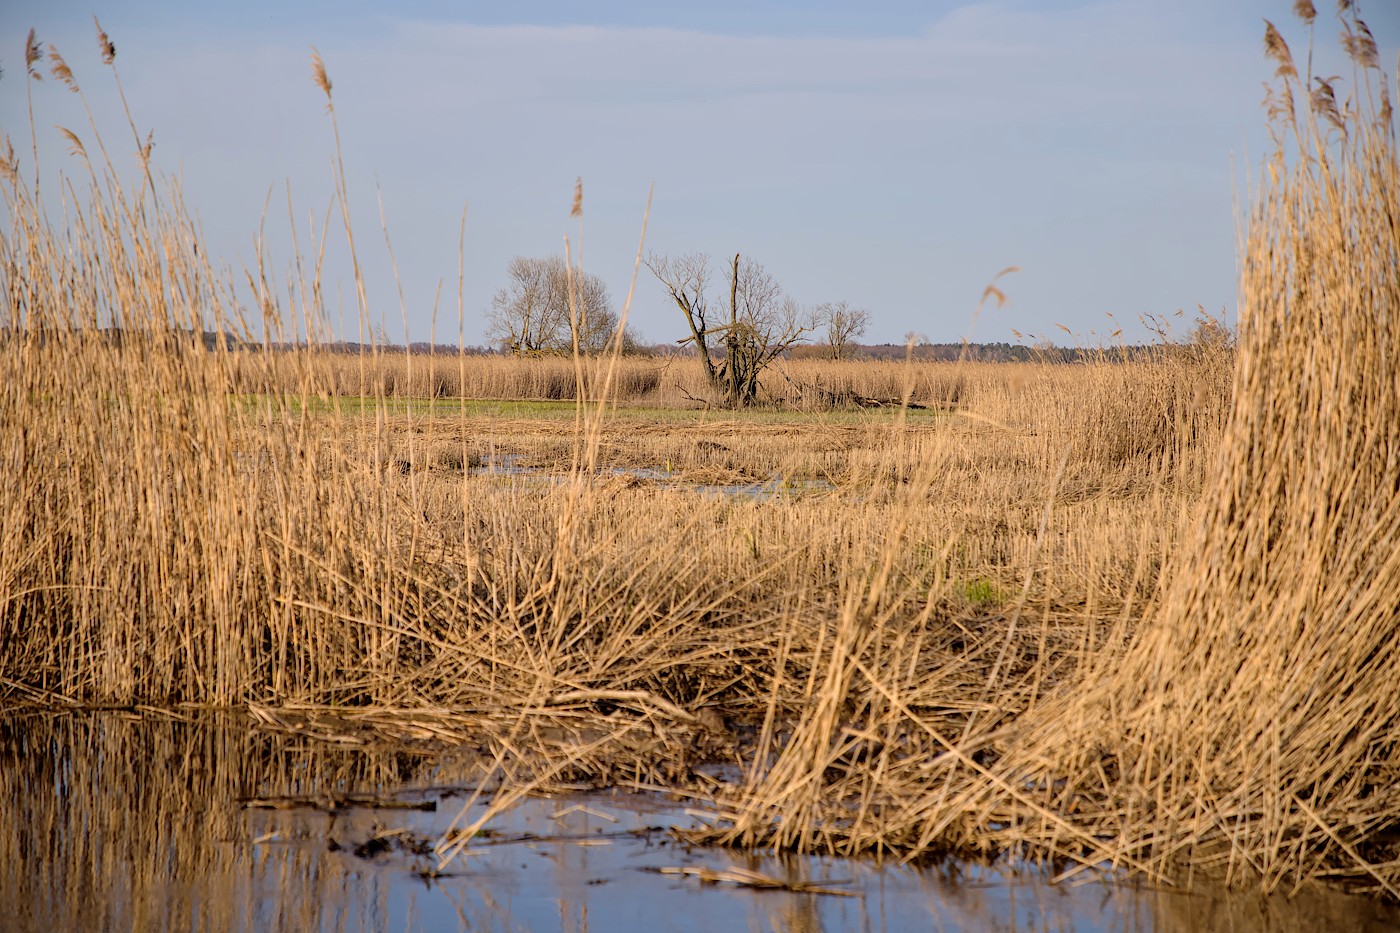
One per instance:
(775,487)
(125,821)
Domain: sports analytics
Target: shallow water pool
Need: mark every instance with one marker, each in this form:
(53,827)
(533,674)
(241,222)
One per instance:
(121,822)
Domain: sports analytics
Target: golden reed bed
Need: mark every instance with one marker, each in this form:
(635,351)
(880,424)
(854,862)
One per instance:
(1130,613)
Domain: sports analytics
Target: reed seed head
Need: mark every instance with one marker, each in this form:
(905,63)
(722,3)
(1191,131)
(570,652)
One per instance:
(9,165)
(1278,104)
(318,73)
(577,209)
(60,70)
(1361,46)
(32,55)
(1304,10)
(1277,50)
(75,145)
(104,44)
(1324,103)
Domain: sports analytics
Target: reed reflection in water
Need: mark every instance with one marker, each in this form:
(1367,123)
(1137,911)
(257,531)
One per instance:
(119,822)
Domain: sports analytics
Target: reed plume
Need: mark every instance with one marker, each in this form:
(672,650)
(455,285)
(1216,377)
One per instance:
(1277,50)
(60,70)
(318,74)
(32,55)
(104,44)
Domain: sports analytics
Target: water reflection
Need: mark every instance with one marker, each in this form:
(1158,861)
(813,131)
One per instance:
(112,822)
(775,487)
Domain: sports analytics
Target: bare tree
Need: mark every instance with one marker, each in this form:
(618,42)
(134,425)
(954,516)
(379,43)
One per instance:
(843,325)
(687,278)
(534,315)
(761,323)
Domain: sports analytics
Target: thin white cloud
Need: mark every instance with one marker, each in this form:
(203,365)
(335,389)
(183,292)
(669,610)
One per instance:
(896,172)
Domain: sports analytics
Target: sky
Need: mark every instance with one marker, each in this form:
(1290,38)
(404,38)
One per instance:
(894,155)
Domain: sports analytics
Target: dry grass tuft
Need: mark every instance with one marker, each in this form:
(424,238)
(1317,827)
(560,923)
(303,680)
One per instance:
(1251,724)
(1248,725)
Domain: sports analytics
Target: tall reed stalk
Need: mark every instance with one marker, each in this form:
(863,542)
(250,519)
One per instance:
(1253,723)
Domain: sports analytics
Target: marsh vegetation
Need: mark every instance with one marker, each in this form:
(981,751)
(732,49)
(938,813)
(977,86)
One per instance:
(1129,613)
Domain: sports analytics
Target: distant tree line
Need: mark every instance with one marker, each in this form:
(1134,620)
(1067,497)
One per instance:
(174,338)
(1206,339)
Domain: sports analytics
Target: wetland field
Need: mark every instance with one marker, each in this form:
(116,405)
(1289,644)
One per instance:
(293,638)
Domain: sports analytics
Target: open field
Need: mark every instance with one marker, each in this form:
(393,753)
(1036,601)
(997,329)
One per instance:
(1050,489)
(1137,613)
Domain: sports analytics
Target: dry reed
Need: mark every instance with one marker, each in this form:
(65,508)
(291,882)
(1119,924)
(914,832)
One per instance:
(943,648)
(1248,724)
(1252,723)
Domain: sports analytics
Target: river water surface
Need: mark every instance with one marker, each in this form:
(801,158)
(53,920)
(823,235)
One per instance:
(112,821)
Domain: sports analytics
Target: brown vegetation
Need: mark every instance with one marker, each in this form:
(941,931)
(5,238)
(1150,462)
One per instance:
(957,641)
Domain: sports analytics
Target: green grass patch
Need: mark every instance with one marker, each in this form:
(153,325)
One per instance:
(984,594)
(545,409)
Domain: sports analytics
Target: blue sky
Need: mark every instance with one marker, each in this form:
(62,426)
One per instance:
(893,155)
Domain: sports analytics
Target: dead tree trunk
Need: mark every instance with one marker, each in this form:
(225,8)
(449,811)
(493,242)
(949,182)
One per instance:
(762,322)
